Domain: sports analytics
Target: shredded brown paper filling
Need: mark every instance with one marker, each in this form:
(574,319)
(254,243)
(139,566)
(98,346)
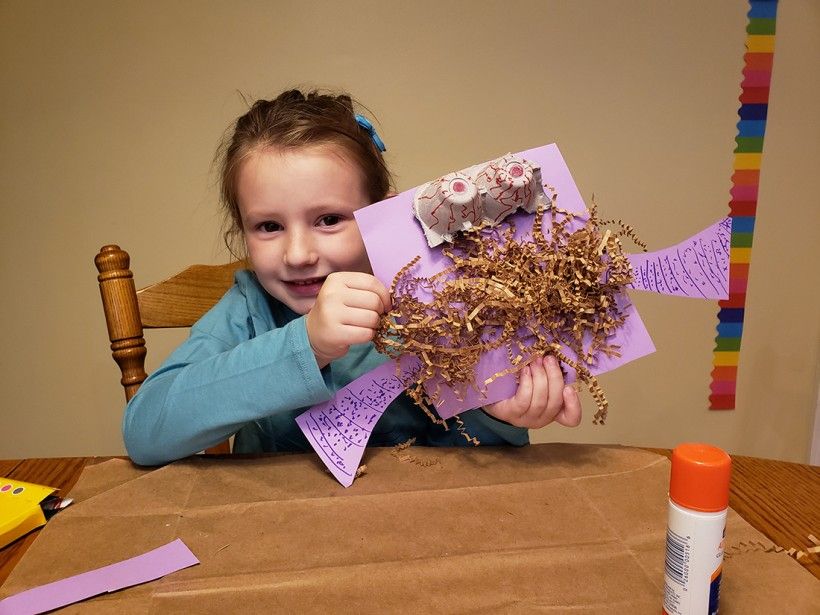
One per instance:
(531,297)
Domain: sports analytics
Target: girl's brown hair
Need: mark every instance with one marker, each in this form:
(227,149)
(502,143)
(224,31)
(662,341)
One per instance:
(291,120)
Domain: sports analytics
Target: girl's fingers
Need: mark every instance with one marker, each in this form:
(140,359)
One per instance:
(556,384)
(340,297)
(370,285)
(523,394)
(540,390)
(358,317)
(570,414)
(512,409)
(541,398)
(352,334)
(363,299)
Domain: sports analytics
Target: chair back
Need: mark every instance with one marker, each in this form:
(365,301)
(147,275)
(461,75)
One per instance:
(176,302)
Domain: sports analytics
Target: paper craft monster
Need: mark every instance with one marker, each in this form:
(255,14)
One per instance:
(416,227)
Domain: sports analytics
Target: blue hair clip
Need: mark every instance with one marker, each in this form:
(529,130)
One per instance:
(365,123)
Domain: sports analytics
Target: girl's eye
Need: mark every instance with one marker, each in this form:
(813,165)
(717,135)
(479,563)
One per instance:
(329,220)
(270,227)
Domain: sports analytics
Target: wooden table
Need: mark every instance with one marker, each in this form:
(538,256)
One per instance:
(778,498)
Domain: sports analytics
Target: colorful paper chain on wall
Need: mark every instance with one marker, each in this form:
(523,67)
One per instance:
(754,103)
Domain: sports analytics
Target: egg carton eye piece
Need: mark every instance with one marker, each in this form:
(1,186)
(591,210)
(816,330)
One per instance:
(508,184)
(481,194)
(449,204)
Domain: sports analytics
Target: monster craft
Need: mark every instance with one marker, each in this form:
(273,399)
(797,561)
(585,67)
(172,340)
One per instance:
(545,229)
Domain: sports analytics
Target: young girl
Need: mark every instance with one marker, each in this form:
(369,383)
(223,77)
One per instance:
(298,325)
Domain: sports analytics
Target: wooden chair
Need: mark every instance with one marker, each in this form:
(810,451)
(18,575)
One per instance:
(176,302)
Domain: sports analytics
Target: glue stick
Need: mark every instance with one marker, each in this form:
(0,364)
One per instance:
(698,500)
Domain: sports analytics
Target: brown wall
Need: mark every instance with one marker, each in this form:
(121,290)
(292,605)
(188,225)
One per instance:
(111,112)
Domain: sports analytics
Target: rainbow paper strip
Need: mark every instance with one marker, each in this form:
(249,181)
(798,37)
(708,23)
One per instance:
(754,103)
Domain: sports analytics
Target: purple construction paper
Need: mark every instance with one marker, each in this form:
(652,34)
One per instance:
(393,237)
(338,429)
(697,267)
(633,338)
(140,569)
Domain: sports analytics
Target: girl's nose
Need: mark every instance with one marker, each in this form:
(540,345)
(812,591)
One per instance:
(301,251)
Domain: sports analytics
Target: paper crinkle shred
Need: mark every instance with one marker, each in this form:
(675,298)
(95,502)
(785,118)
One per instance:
(552,291)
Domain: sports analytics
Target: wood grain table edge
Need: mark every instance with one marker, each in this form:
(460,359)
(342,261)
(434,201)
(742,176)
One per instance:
(780,499)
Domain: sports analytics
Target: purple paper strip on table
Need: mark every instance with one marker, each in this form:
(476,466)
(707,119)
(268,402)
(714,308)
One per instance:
(338,429)
(140,569)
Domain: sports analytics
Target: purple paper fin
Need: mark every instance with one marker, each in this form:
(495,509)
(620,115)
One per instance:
(697,267)
(338,429)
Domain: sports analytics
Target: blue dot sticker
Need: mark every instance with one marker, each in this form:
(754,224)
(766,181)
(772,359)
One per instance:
(18,491)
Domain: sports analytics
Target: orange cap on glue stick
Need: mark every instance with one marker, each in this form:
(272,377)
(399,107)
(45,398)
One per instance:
(700,477)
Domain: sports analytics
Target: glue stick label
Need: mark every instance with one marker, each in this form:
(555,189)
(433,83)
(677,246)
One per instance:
(694,561)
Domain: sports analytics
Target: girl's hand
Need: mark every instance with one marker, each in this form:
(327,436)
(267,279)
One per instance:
(346,312)
(541,398)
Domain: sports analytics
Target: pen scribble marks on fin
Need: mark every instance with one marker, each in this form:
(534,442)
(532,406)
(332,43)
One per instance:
(339,429)
(697,267)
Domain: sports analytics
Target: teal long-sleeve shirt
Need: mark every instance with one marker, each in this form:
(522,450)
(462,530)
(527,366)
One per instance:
(248,369)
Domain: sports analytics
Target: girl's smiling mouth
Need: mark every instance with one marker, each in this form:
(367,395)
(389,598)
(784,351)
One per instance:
(308,287)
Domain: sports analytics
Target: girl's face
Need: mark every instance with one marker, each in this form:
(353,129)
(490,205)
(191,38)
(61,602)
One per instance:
(297,220)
